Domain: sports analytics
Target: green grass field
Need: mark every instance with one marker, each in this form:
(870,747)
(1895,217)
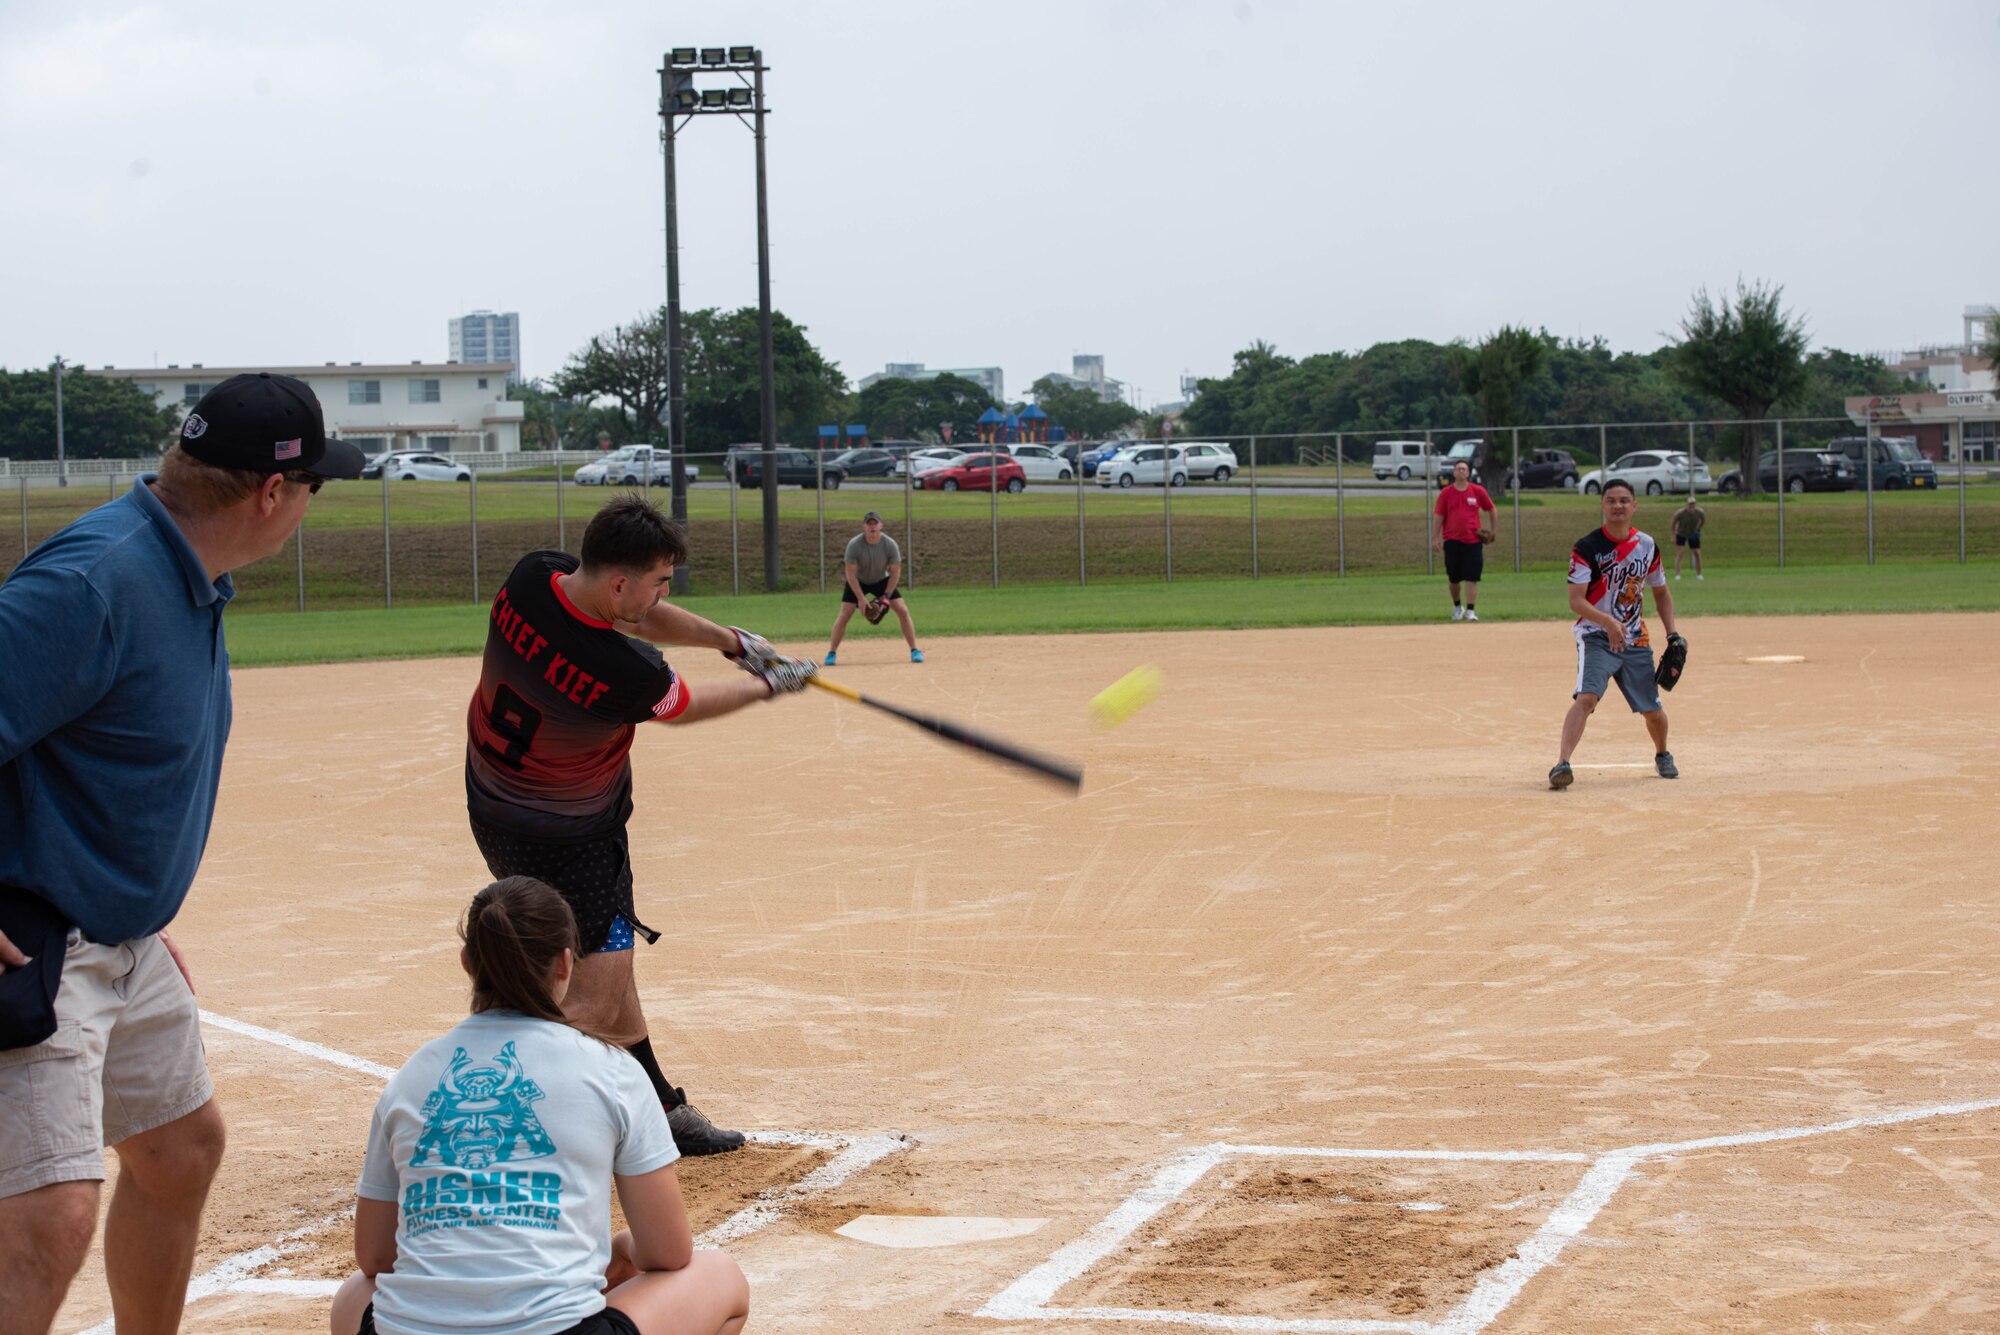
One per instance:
(802,620)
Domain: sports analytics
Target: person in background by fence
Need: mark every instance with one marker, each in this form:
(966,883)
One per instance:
(871,570)
(1689,521)
(1462,534)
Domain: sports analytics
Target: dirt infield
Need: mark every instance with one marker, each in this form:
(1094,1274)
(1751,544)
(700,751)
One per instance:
(1478,1055)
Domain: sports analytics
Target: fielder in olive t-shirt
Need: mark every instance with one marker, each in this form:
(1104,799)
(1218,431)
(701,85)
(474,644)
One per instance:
(871,560)
(872,570)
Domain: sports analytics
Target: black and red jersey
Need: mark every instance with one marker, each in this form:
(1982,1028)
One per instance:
(560,698)
(1617,574)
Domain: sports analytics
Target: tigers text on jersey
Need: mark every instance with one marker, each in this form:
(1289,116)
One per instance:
(1617,573)
(550,729)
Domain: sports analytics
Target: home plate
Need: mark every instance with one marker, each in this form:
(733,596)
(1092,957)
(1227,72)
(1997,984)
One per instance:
(929,1230)
(1777,658)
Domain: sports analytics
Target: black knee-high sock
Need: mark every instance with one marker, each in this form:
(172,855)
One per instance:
(642,1052)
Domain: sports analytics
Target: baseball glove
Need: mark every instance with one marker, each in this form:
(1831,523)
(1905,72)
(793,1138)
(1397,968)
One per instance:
(1487,535)
(877,609)
(1672,663)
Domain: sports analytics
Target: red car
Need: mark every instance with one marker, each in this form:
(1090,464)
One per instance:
(974,472)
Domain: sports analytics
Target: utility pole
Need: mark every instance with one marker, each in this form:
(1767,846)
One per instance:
(765,370)
(671,80)
(62,463)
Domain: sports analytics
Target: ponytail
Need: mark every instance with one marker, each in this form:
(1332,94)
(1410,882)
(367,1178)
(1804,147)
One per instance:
(514,932)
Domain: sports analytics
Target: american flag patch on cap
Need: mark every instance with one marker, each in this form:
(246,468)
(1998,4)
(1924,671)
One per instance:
(290,449)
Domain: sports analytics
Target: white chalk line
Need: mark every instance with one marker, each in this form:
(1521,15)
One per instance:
(1028,1298)
(303,1047)
(851,1155)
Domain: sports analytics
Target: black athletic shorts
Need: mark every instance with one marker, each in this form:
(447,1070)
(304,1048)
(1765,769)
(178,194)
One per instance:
(1688,540)
(610,1321)
(593,875)
(1464,562)
(875,590)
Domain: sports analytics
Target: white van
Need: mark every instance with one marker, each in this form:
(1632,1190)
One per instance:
(1402,459)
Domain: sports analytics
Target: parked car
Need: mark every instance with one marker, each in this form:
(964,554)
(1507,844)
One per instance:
(1545,468)
(1403,460)
(873,461)
(1650,473)
(1805,470)
(415,466)
(1898,462)
(1145,463)
(1094,457)
(632,466)
(1208,462)
(975,472)
(921,461)
(746,468)
(1041,463)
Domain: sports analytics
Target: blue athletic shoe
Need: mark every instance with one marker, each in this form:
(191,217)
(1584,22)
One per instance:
(829,660)
(916,655)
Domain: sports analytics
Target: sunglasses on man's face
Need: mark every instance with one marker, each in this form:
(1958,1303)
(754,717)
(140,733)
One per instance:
(311,483)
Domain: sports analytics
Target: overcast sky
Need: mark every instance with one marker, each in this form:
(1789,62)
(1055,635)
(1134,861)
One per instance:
(1158,181)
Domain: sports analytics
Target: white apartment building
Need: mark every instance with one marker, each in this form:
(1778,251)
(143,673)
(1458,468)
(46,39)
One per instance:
(449,407)
(989,378)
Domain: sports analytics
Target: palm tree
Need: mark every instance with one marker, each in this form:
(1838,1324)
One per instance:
(1750,355)
(1494,371)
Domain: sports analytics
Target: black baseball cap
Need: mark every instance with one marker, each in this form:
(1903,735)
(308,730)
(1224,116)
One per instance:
(265,423)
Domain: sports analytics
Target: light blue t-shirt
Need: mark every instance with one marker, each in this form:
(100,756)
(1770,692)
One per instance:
(114,709)
(498,1141)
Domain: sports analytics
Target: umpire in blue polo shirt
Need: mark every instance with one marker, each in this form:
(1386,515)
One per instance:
(114,708)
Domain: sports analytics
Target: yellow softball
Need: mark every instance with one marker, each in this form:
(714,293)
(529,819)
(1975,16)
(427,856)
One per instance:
(1127,696)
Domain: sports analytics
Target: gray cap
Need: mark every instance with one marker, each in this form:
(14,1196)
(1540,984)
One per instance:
(871,515)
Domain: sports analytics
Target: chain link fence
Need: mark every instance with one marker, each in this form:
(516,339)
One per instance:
(1338,504)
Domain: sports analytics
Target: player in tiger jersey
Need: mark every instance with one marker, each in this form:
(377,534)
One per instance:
(567,678)
(1609,571)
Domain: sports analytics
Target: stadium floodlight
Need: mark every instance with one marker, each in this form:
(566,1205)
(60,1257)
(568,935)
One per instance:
(679,99)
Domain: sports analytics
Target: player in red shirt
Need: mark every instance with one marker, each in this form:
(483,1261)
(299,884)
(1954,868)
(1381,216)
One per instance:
(1460,534)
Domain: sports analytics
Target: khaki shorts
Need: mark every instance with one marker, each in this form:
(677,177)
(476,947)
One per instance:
(126,1057)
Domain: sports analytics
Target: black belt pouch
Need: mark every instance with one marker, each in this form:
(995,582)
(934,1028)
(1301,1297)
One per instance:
(28,995)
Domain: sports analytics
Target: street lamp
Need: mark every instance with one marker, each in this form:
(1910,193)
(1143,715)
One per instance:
(680,98)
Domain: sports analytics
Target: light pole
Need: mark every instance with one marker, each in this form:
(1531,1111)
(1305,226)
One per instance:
(679,97)
(62,464)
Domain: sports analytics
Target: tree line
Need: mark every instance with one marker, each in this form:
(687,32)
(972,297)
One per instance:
(1735,357)
(1741,356)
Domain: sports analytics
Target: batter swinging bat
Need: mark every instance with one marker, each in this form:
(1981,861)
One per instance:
(1049,769)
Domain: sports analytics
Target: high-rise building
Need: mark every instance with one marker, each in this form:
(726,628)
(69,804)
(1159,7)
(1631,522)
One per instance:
(486,337)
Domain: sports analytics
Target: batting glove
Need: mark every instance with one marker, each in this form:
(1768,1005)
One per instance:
(752,649)
(785,675)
